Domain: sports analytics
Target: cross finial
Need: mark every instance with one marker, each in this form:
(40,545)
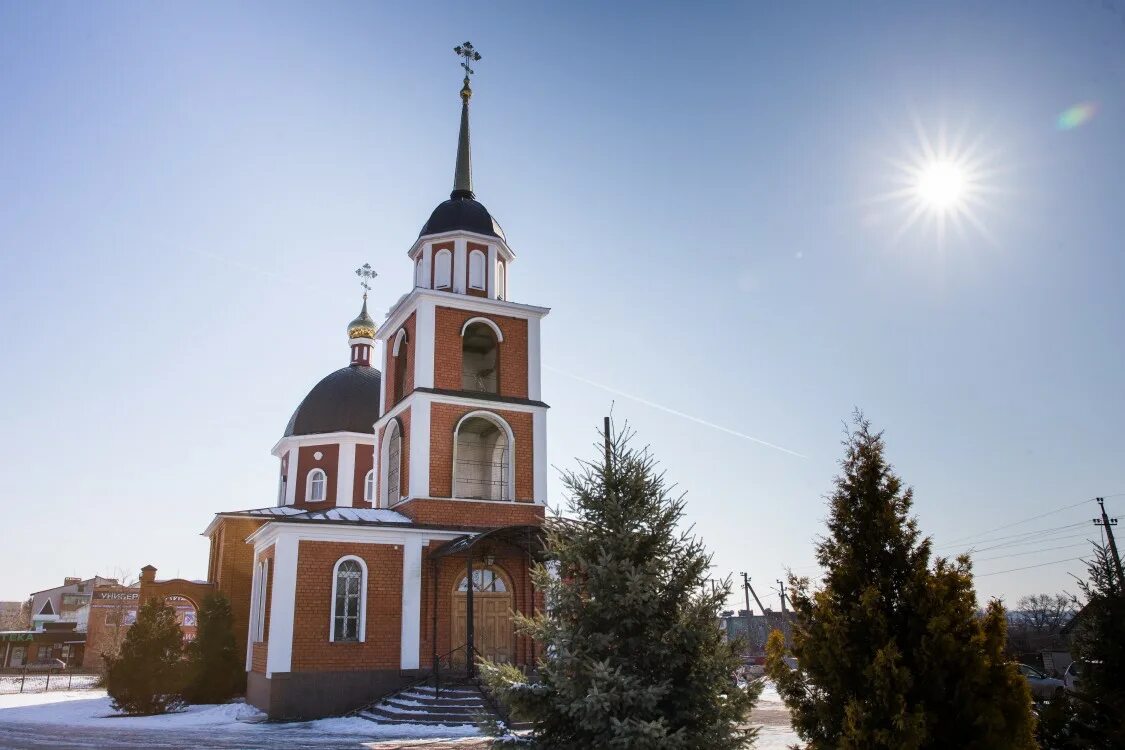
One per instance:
(366,275)
(469,55)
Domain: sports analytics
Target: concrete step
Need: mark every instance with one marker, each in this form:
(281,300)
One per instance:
(383,716)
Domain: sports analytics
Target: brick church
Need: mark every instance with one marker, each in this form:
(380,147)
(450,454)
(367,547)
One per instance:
(411,495)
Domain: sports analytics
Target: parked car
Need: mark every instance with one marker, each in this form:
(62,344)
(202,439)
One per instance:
(1042,686)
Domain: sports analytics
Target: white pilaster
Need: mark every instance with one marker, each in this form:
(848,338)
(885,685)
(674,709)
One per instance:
(411,602)
(345,478)
(491,285)
(534,372)
(420,447)
(459,262)
(291,475)
(424,332)
(539,447)
(283,599)
(427,266)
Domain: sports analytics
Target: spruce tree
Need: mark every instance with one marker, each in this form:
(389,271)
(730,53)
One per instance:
(633,656)
(147,676)
(891,651)
(1099,643)
(217,673)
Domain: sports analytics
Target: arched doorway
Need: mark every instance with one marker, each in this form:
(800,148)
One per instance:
(492,614)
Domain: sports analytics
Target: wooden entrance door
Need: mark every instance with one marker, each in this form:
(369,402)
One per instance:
(492,615)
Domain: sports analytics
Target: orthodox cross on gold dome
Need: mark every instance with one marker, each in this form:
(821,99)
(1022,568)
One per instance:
(366,275)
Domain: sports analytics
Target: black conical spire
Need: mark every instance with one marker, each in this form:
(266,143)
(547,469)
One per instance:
(463,172)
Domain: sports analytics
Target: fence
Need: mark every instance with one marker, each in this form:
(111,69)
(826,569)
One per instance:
(40,681)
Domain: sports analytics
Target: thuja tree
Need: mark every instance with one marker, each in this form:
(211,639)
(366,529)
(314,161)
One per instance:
(147,676)
(216,671)
(1099,643)
(891,650)
(633,653)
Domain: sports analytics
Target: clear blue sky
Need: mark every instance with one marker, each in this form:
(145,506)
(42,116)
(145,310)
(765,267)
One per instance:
(694,189)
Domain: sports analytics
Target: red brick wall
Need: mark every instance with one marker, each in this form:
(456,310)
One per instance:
(232,567)
(258,658)
(443,420)
(447,350)
(406,350)
(470,513)
(329,462)
(364,462)
(312,650)
(260,648)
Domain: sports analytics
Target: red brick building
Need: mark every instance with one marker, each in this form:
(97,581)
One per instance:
(409,501)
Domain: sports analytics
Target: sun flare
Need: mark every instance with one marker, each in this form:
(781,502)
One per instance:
(941,184)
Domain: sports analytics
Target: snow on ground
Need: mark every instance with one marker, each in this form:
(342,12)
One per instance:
(91,708)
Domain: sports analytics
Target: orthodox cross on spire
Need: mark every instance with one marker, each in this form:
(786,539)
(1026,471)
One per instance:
(366,275)
(463,172)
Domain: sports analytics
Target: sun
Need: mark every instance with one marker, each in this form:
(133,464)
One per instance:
(940,183)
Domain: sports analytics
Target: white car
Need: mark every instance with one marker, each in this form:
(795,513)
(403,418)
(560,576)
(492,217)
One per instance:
(1042,686)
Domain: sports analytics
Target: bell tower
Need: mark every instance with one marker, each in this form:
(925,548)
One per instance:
(462,436)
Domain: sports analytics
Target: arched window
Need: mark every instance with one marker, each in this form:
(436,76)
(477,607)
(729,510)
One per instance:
(476,270)
(482,458)
(485,580)
(479,358)
(399,352)
(443,269)
(501,281)
(349,600)
(369,487)
(261,585)
(316,486)
(392,464)
(418,271)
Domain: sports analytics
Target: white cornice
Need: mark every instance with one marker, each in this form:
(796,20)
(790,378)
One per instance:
(330,532)
(323,438)
(398,314)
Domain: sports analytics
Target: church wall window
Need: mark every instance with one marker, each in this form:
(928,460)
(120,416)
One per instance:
(400,353)
(369,487)
(392,464)
(349,600)
(501,281)
(476,270)
(418,271)
(480,357)
(317,482)
(443,269)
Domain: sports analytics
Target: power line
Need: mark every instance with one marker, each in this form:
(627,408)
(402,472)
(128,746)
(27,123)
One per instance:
(1026,567)
(1025,542)
(1029,552)
(1021,535)
(1027,520)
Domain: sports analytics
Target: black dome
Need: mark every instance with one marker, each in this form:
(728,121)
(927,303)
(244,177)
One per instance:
(462,213)
(345,401)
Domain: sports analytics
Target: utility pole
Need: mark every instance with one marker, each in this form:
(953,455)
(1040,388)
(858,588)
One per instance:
(608,442)
(1108,523)
(747,588)
(782,585)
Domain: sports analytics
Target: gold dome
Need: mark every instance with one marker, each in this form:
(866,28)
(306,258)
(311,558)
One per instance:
(363,327)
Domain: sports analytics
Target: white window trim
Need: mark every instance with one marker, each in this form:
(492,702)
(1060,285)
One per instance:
(438,256)
(495,328)
(483,270)
(261,582)
(309,483)
(503,425)
(369,486)
(362,600)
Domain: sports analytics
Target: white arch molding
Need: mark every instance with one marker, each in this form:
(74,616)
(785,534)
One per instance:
(399,338)
(506,428)
(361,628)
(495,328)
(392,430)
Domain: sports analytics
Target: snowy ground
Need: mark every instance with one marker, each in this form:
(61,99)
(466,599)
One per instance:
(84,719)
